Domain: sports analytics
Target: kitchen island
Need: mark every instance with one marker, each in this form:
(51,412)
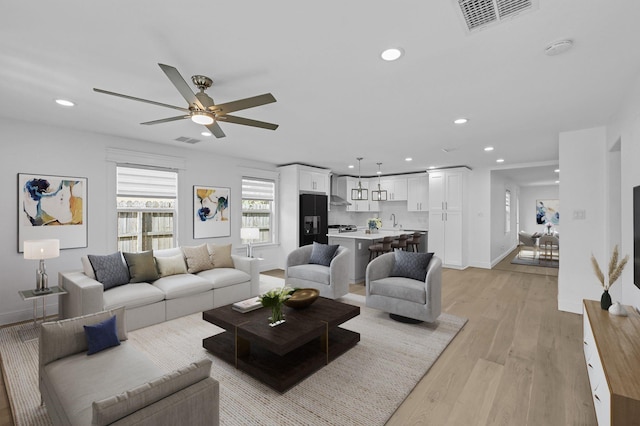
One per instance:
(358,243)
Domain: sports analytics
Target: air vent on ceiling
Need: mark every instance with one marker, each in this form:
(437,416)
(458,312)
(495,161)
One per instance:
(187,140)
(479,14)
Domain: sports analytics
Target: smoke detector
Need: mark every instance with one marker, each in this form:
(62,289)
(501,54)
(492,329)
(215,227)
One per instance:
(558,47)
(480,14)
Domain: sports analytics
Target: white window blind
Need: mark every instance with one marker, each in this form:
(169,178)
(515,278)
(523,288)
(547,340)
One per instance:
(147,183)
(258,189)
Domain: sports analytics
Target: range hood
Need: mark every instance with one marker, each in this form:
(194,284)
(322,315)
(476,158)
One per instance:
(335,200)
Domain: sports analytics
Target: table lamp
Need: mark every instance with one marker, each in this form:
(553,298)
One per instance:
(250,234)
(41,250)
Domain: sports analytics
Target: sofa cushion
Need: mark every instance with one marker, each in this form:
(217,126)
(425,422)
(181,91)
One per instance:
(220,255)
(132,295)
(171,265)
(311,272)
(322,254)
(101,336)
(176,286)
(170,252)
(113,408)
(66,337)
(87,268)
(74,381)
(142,266)
(198,258)
(400,288)
(224,277)
(411,265)
(110,270)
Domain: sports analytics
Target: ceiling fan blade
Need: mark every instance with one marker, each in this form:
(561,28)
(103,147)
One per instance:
(232,106)
(106,92)
(216,130)
(247,122)
(181,85)
(166,120)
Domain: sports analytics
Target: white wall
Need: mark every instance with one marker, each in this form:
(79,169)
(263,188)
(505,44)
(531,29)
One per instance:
(29,148)
(528,197)
(583,168)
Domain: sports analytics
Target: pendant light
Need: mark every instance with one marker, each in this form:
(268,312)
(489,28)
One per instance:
(359,193)
(380,194)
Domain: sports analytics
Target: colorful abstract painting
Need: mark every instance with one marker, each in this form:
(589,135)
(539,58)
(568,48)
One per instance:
(52,207)
(548,211)
(211,212)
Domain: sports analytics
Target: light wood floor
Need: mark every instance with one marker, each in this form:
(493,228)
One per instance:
(517,361)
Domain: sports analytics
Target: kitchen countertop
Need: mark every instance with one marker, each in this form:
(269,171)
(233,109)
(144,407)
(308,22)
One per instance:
(362,235)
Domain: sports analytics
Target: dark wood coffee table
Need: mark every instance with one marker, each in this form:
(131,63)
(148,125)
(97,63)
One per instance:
(284,355)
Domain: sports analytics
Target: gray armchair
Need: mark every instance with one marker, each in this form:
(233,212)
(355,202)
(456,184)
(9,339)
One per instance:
(404,297)
(331,281)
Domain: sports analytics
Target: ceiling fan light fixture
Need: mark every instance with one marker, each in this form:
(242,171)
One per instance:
(200,117)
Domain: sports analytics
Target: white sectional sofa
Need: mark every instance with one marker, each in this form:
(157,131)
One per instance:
(167,297)
(118,384)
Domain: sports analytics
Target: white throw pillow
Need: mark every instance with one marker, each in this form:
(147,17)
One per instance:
(171,265)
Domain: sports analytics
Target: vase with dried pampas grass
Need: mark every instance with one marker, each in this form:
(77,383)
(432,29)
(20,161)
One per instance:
(615,270)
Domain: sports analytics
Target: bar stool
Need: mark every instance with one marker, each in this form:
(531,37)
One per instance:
(414,241)
(401,242)
(377,249)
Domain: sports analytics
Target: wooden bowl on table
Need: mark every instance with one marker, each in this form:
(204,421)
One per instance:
(302,298)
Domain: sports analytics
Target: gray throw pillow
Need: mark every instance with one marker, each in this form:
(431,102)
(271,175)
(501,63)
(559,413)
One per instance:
(411,265)
(110,270)
(322,254)
(142,267)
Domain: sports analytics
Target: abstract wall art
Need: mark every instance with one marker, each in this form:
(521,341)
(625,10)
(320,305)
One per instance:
(52,207)
(211,212)
(548,211)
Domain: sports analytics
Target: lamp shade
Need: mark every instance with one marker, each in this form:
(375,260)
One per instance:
(41,249)
(249,233)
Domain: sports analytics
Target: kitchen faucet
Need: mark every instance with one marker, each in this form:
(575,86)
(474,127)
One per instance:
(393,216)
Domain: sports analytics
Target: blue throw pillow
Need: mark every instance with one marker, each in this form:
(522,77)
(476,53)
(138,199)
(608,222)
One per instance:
(101,336)
(411,265)
(110,270)
(322,254)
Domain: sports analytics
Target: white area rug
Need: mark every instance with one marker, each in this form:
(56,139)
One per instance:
(362,387)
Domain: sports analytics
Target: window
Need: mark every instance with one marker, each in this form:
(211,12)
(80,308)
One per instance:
(258,208)
(146,206)
(507,211)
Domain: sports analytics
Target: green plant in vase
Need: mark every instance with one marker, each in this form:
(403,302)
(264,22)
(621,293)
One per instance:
(615,270)
(274,299)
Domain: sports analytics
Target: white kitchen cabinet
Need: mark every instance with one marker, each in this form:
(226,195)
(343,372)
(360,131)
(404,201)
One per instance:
(418,193)
(396,187)
(313,181)
(447,216)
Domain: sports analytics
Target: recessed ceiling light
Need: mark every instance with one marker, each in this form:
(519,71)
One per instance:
(557,170)
(65,102)
(557,181)
(460,120)
(392,54)
(432,167)
(206,133)
(500,160)
(408,159)
(378,172)
(351,166)
(488,148)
